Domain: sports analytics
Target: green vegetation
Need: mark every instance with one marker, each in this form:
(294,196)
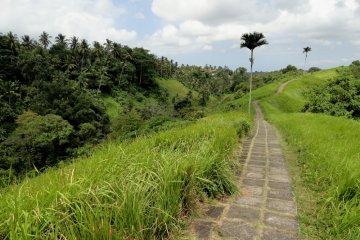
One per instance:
(136,190)
(101,90)
(328,159)
(339,96)
(159,153)
(107,141)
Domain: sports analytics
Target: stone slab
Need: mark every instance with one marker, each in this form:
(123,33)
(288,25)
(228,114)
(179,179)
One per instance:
(255,201)
(270,234)
(214,212)
(255,175)
(253,182)
(279,177)
(243,213)
(202,229)
(281,222)
(281,206)
(251,191)
(279,185)
(280,194)
(237,230)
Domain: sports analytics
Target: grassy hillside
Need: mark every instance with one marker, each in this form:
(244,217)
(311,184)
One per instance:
(113,108)
(175,88)
(137,190)
(328,160)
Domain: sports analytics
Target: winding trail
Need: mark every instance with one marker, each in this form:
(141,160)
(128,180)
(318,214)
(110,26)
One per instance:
(283,85)
(265,208)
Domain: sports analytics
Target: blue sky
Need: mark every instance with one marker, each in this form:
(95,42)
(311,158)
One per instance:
(202,31)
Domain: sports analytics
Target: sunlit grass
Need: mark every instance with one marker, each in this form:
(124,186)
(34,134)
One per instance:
(328,158)
(113,108)
(137,190)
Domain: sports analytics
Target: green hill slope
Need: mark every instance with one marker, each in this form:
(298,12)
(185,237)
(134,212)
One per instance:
(137,190)
(328,160)
(175,88)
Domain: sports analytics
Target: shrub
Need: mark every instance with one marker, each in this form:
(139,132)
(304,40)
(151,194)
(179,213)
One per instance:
(289,68)
(314,69)
(126,125)
(339,97)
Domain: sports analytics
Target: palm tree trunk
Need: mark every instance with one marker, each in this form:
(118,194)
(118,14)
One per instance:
(122,70)
(305,60)
(251,65)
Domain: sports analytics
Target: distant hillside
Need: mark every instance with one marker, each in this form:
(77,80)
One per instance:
(175,88)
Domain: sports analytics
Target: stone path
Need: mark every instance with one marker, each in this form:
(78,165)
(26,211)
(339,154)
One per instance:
(265,207)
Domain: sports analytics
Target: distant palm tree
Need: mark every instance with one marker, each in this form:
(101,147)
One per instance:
(306,50)
(27,42)
(13,41)
(83,50)
(74,43)
(44,39)
(61,41)
(252,41)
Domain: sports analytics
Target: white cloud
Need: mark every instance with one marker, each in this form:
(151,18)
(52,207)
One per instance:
(215,12)
(90,19)
(325,22)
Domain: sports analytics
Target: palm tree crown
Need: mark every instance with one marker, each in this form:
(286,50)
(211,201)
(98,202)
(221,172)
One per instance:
(253,40)
(306,50)
(44,39)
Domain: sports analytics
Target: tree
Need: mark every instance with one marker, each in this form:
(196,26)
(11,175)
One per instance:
(38,141)
(306,50)
(44,39)
(252,41)
(27,42)
(83,50)
(61,41)
(13,42)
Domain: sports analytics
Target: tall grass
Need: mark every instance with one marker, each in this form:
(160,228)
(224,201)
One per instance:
(137,190)
(329,159)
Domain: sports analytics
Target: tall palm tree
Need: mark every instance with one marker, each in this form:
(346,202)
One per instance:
(306,50)
(98,50)
(27,42)
(44,39)
(61,41)
(83,50)
(13,42)
(252,41)
(74,43)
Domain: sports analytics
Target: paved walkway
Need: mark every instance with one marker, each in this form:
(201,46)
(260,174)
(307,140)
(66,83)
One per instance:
(265,207)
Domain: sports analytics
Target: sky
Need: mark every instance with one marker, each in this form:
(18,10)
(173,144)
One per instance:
(202,31)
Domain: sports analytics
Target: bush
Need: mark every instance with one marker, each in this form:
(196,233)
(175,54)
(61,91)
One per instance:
(151,110)
(339,97)
(314,69)
(126,125)
(289,68)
